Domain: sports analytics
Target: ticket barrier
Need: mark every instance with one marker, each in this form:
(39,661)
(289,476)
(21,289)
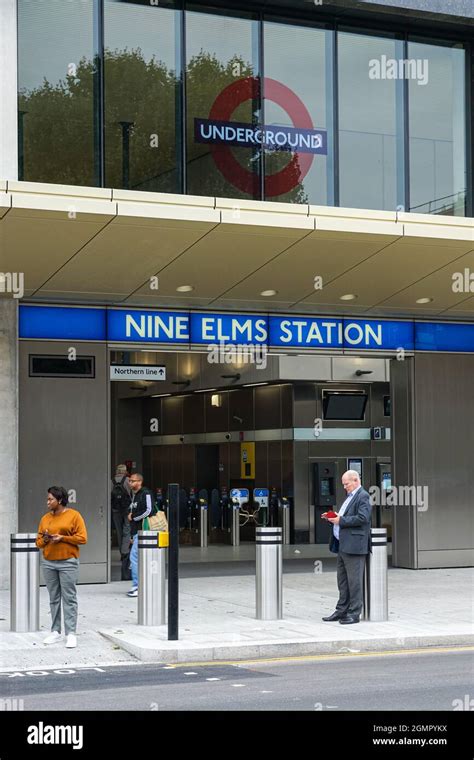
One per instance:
(239,497)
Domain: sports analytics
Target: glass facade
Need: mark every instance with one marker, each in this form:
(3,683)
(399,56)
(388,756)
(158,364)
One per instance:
(142,95)
(57,79)
(171,97)
(370,124)
(438,181)
(221,71)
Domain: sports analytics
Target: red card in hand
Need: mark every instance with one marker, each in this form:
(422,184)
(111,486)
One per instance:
(331,514)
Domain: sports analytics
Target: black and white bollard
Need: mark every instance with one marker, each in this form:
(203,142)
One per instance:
(375,578)
(151,577)
(24,582)
(269,573)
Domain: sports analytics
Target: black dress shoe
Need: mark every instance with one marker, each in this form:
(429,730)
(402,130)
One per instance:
(348,619)
(334,616)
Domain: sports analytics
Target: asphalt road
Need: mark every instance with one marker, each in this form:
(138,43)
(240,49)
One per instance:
(416,680)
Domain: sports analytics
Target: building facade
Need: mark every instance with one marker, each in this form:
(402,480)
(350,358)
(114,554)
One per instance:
(273,204)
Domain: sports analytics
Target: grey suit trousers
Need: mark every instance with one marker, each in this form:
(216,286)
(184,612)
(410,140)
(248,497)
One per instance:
(350,580)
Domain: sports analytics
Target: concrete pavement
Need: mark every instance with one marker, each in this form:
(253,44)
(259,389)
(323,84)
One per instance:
(217,621)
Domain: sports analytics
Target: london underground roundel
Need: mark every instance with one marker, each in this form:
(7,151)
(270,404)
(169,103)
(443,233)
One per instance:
(302,139)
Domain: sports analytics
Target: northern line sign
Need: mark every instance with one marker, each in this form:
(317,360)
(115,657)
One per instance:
(181,328)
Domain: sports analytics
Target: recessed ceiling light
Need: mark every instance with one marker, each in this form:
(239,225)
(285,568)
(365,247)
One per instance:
(424,300)
(268,293)
(348,297)
(185,288)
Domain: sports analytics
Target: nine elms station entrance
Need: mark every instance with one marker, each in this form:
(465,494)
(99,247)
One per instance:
(255,433)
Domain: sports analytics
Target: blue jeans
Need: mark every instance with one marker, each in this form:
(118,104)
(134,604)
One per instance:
(134,561)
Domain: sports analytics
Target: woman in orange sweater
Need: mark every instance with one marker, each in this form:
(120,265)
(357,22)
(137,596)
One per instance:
(60,532)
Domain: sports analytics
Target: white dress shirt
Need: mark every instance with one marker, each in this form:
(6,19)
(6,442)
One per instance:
(335,528)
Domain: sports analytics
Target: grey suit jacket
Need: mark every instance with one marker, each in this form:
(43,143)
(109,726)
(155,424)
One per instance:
(354,526)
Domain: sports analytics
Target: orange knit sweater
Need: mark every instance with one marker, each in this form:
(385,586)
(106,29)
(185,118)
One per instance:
(71,526)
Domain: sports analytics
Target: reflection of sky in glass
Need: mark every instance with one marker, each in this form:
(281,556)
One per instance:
(64,31)
(134,27)
(219,36)
(305,75)
(52,35)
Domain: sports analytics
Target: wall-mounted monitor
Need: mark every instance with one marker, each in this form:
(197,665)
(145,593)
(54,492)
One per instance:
(344,405)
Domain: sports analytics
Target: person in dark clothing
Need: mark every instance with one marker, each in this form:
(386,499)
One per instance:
(120,498)
(141,507)
(350,539)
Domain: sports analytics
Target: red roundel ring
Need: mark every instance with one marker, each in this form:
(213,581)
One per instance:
(223,108)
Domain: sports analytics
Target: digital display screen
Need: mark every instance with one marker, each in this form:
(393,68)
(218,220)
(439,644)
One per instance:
(326,484)
(344,406)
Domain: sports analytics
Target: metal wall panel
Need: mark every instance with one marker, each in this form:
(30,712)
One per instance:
(403,463)
(444,418)
(64,440)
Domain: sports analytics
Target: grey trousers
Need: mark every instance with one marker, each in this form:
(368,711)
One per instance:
(350,580)
(122,526)
(61,576)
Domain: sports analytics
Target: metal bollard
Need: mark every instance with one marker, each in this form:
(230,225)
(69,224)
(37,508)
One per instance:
(235,524)
(24,582)
(375,578)
(269,573)
(285,520)
(203,524)
(151,579)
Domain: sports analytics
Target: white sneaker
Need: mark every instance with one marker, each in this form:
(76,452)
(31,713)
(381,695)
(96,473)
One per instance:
(52,638)
(132,592)
(71,641)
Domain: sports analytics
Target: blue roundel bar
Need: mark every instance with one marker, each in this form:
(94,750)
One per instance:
(210,329)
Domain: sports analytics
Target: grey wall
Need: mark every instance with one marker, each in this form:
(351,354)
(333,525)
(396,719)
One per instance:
(404,469)
(444,439)
(64,440)
(9,431)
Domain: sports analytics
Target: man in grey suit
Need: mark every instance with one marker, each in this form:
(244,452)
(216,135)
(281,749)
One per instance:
(351,540)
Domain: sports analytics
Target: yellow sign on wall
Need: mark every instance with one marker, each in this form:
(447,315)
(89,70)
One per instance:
(247,460)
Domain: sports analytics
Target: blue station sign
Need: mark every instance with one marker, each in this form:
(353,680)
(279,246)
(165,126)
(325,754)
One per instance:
(183,328)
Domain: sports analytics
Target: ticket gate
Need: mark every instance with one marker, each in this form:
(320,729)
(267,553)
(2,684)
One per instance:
(239,497)
(284,518)
(274,508)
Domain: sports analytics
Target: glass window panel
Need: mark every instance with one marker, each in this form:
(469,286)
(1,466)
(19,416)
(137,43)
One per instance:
(56,92)
(308,76)
(222,62)
(370,143)
(142,118)
(437,130)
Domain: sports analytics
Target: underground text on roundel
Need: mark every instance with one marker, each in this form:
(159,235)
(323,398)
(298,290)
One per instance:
(47,734)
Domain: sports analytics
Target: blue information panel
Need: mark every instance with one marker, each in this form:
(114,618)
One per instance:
(62,323)
(443,336)
(147,326)
(241,494)
(261,496)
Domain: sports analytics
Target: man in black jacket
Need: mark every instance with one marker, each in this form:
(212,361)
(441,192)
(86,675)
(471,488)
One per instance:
(351,540)
(141,506)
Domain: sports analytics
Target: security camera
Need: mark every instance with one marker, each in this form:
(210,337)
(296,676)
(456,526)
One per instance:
(227,436)
(181,438)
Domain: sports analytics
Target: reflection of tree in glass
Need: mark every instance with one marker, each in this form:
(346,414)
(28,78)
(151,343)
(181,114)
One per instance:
(59,125)
(58,142)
